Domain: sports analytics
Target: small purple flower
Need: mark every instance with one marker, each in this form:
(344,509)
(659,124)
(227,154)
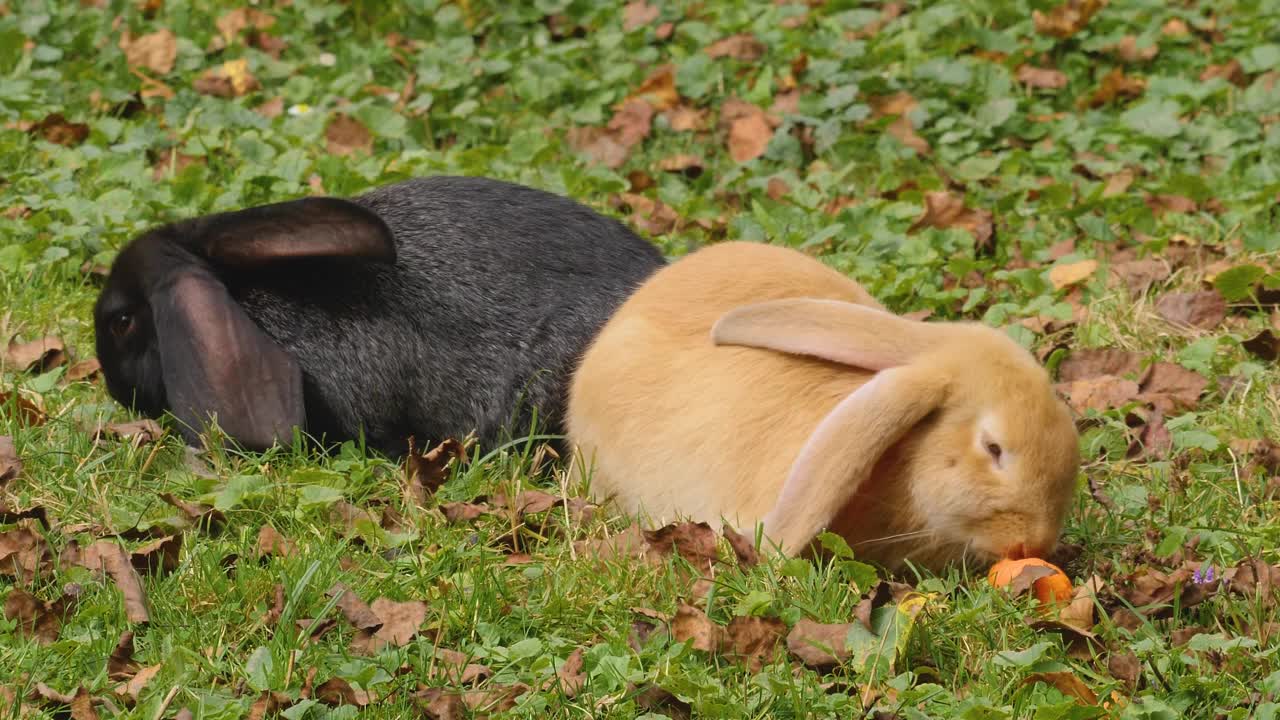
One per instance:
(1202,576)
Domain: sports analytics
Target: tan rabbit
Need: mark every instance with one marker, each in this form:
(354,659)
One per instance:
(748,383)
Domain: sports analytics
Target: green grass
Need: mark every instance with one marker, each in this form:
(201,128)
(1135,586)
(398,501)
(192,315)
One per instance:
(495,92)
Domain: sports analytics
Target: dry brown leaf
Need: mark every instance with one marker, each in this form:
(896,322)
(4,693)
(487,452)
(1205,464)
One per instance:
(1116,85)
(695,542)
(753,640)
(631,122)
(1161,205)
(456,512)
(1118,183)
(121,665)
(39,356)
(1125,667)
(400,623)
(1067,683)
(1175,27)
(1154,439)
(1205,309)
(426,472)
(597,145)
(315,629)
(268,704)
(36,618)
(626,544)
(138,432)
(1096,362)
(659,88)
(10,463)
(229,80)
(336,691)
(111,558)
(271,542)
(686,118)
(1139,275)
(1172,388)
(1066,19)
(454,667)
(689,165)
(1100,393)
(944,210)
(24,555)
(200,514)
(82,706)
(528,502)
(1264,346)
(272,616)
(159,556)
(1231,71)
(1041,78)
(693,625)
(155,51)
(637,14)
(1127,50)
(743,46)
(777,188)
(743,547)
(58,130)
(570,678)
(272,108)
(818,645)
(131,690)
(749,137)
(346,135)
(1068,274)
(232,23)
(359,614)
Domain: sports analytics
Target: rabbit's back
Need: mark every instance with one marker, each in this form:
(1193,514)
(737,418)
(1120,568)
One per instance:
(495,291)
(675,424)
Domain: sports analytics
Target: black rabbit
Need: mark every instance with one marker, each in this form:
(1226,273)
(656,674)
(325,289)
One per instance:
(431,307)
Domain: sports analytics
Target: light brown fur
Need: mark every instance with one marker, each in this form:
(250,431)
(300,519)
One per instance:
(671,425)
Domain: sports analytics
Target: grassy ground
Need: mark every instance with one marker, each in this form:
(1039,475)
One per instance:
(1089,180)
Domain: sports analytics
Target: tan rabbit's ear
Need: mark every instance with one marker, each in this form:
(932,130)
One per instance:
(842,451)
(833,330)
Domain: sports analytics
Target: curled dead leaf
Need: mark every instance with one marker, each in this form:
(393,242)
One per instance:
(1100,393)
(1127,50)
(1066,19)
(229,80)
(1096,362)
(426,472)
(346,135)
(137,432)
(1116,85)
(659,88)
(38,356)
(199,514)
(400,623)
(83,370)
(355,610)
(945,210)
(37,619)
(1041,78)
(693,625)
(236,21)
(1065,275)
(455,668)
(743,46)
(695,542)
(271,542)
(1067,682)
(819,645)
(335,691)
(24,555)
(456,512)
(112,559)
(753,640)
(10,463)
(1204,310)
(155,51)
(743,547)
(58,130)
(638,13)
(158,556)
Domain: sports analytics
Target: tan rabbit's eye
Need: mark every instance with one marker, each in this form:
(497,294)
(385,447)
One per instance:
(995,451)
(122,324)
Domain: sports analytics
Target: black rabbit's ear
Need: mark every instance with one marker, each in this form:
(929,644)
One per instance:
(318,227)
(217,362)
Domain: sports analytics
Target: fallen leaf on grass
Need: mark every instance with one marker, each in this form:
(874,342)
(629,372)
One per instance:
(1163,204)
(83,370)
(688,165)
(1264,346)
(426,472)
(1205,309)
(36,618)
(355,610)
(637,14)
(456,512)
(454,667)
(38,356)
(1139,275)
(693,625)
(743,547)
(659,88)
(10,463)
(819,645)
(232,23)
(112,558)
(1153,439)
(749,129)
(695,542)
(30,412)
(272,616)
(315,629)
(944,210)
(1066,19)
(569,677)
(120,664)
(1041,78)
(743,46)
(1096,362)
(155,51)
(1230,71)
(158,556)
(268,704)
(1127,49)
(685,118)
(1171,388)
(1125,667)
(58,130)
(198,514)
(335,691)
(1114,85)
(1068,274)
(138,432)
(652,216)
(400,623)
(130,690)
(1067,683)
(271,542)
(345,135)
(229,80)
(753,640)
(24,555)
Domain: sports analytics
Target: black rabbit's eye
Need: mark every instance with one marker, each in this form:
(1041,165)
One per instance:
(995,451)
(122,324)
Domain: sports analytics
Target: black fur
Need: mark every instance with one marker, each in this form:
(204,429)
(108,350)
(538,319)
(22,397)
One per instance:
(432,307)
